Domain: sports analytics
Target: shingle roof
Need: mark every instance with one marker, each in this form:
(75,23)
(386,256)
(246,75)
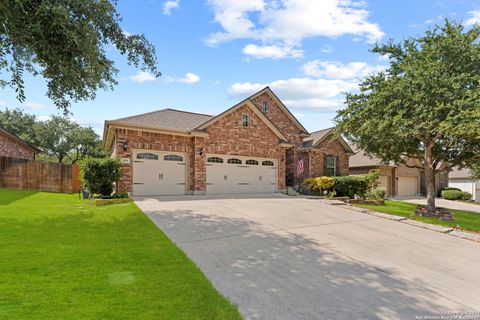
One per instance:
(460,173)
(315,137)
(19,140)
(167,119)
(360,159)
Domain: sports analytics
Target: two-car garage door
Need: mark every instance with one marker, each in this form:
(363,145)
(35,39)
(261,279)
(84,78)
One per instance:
(237,174)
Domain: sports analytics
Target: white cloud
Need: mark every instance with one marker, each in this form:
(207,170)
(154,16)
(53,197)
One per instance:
(3,103)
(273,52)
(142,76)
(475,18)
(338,70)
(285,23)
(34,105)
(189,78)
(300,93)
(170,5)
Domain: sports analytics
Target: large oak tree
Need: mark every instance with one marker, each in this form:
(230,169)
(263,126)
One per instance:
(425,105)
(66,42)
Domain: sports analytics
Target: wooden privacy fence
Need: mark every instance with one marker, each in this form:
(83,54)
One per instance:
(38,175)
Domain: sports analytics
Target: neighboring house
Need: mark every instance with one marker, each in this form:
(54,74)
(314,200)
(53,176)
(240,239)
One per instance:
(13,146)
(462,179)
(253,147)
(400,181)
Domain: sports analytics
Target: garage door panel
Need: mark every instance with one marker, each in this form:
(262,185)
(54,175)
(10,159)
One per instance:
(161,173)
(249,176)
(407,186)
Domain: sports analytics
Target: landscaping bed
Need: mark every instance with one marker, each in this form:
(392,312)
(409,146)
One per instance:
(65,258)
(463,220)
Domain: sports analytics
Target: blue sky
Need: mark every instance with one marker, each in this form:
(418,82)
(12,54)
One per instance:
(214,53)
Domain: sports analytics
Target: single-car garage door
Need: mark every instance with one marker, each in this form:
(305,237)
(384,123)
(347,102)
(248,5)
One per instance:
(407,186)
(158,173)
(236,174)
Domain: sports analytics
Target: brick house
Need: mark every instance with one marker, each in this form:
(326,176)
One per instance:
(253,147)
(14,147)
(398,180)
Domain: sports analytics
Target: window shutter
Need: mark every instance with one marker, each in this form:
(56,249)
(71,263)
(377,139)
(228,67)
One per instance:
(337,166)
(324,165)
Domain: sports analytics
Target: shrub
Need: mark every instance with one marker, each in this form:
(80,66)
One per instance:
(466,196)
(452,188)
(350,186)
(372,178)
(376,194)
(446,189)
(98,175)
(452,194)
(319,184)
(120,195)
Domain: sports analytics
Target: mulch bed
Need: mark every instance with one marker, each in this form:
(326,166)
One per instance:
(440,213)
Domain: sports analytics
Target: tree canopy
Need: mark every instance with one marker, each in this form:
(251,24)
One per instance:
(59,138)
(425,106)
(66,42)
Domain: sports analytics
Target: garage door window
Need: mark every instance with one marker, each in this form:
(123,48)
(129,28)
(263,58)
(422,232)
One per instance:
(234,161)
(252,162)
(215,160)
(172,157)
(147,156)
(267,163)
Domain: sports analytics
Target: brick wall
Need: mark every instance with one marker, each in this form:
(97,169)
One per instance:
(137,139)
(283,123)
(11,148)
(331,147)
(228,136)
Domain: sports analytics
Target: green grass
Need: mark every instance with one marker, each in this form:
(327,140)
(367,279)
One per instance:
(62,258)
(465,220)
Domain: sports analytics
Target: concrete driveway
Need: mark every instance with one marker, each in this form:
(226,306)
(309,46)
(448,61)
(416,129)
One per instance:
(280,257)
(456,205)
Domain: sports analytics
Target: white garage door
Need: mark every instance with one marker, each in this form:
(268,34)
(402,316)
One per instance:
(158,173)
(407,186)
(235,174)
(469,186)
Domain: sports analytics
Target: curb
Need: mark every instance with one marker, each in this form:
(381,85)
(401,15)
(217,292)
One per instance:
(436,228)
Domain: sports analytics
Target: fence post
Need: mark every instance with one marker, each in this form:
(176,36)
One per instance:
(75,178)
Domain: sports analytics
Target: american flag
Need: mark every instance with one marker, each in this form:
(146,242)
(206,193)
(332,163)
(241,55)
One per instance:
(300,167)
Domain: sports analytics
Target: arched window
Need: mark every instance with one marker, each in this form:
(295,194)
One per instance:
(172,157)
(147,156)
(252,162)
(215,160)
(267,163)
(234,161)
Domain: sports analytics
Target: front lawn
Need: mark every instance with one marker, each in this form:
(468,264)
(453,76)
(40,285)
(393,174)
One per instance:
(62,258)
(463,219)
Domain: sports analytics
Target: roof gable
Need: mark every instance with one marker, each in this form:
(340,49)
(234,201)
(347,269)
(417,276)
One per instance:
(317,137)
(257,112)
(282,106)
(19,140)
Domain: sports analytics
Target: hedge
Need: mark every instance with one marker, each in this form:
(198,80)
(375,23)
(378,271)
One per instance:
(456,195)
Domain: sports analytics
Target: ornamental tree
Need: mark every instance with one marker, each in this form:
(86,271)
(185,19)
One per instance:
(425,106)
(66,42)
